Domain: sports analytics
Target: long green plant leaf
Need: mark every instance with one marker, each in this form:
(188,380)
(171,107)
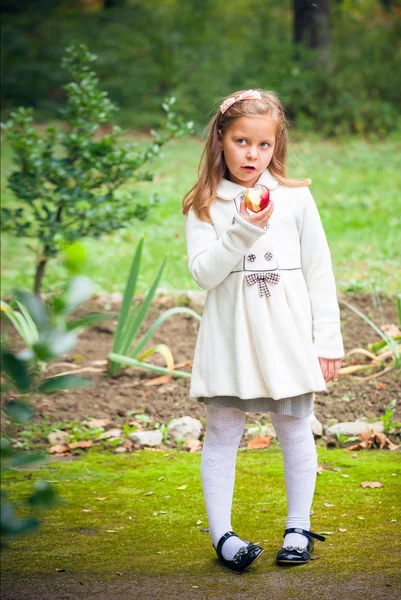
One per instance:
(134,327)
(129,292)
(166,353)
(133,362)
(159,321)
(388,339)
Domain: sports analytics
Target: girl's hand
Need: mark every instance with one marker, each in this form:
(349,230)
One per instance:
(260,218)
(330,368)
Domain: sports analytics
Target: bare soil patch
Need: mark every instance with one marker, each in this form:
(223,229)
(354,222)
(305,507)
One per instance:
(346,400)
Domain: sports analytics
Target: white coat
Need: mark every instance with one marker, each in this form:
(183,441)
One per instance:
(251,345)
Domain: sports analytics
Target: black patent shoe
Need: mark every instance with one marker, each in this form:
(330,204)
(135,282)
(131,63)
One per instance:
(295,555)
(244,557)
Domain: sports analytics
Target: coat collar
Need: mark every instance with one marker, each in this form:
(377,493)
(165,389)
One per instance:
(227,190)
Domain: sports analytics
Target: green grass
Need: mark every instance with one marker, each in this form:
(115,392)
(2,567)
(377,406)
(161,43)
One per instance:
(124,532)
(355,184)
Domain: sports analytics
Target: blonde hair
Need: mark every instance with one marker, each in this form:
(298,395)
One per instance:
(212,166)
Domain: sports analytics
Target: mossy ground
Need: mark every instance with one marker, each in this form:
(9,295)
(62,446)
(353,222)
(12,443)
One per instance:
(168,551)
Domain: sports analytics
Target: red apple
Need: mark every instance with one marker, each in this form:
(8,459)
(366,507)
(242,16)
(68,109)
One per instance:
(257,199)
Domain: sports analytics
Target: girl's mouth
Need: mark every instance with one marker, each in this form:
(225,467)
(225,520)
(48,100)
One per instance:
(250,169)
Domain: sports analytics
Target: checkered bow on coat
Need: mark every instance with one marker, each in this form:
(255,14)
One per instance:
(262,279)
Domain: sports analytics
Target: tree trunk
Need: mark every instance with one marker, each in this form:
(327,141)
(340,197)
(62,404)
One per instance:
(312,27)
(39,274)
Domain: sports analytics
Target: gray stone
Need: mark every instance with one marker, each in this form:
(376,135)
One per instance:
(353,428)
(147,438)
(184,428)
(120,450)
(58,437)
(112,434)
(316,426)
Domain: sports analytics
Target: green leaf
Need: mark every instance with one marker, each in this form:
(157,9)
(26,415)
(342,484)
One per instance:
(78,291)
(89,320)
(45,495)
(54,343)
(5,448)
(12,526)
(159,321)
(133,328)
(22,460)
(127,298)
(16,370)
(64,382)
(35,307)
(19,411)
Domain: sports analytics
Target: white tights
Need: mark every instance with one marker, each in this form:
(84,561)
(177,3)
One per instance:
(224,429)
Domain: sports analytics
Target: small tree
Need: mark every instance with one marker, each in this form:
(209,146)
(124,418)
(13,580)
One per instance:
(66,180)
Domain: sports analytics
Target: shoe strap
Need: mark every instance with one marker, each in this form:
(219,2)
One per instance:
(309,534)
(223,539)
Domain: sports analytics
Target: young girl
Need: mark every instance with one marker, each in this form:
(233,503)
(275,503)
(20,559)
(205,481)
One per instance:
(270,332)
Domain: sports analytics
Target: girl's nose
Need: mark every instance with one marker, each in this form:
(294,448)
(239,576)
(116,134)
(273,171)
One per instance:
(252,154)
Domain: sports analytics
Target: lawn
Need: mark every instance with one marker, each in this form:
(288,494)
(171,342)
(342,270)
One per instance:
(356,185)
(124,522)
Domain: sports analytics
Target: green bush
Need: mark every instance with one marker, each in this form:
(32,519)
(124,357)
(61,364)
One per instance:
(200,51)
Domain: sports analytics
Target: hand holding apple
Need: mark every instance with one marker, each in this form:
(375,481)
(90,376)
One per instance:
(256,199)
(260,218)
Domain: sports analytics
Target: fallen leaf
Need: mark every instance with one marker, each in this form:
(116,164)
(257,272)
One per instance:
(194,445)
(162,512)
(44,403)
(342,529)
(327,504)
(60,570)
(59,448)
(161,478)
(259,442)
(96,423)
(155,513)
(371,484)
(319,470)
(381,386)
(158,380)
(360,518)
(86,510)
(120,572)
(370,437)
(128,444)
(111,531)
(101,499)
(149,494)
(315,557)
(83,444)
(326,532)
(344,475)
(182,487)
(199,522)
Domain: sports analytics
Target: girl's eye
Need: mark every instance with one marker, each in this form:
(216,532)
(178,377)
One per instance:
(266,145)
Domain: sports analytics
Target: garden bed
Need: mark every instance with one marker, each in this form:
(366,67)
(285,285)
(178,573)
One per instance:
(346,400)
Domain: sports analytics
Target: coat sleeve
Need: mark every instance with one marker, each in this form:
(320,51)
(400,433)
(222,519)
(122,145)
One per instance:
(318,272)
(211,259)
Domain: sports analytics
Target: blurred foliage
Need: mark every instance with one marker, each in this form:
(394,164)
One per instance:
(22,374)
(66,180)
(200,50)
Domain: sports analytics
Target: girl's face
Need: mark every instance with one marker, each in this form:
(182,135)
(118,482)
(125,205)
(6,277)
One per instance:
(248,145)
